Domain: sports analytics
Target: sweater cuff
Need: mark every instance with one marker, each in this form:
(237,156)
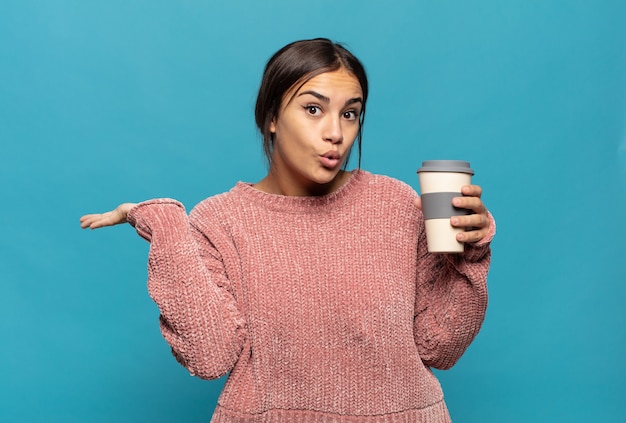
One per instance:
(145,214)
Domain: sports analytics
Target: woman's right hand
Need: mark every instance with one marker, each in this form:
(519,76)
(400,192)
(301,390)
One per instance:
(110,218)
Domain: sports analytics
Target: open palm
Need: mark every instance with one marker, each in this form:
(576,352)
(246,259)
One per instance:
(110,218)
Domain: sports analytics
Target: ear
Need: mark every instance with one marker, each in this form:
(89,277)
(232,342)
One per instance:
(273,126)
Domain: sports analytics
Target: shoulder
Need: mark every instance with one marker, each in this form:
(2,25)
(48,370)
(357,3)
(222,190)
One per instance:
(386,185)
(389,202)
(388,196)
(214,209)
(211,204)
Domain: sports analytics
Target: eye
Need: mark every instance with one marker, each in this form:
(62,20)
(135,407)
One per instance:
(313,110)
(350,115)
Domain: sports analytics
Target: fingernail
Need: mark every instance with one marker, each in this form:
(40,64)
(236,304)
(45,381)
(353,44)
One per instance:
(455,221)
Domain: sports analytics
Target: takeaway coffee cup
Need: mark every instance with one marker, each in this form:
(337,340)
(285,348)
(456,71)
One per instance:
(441,181)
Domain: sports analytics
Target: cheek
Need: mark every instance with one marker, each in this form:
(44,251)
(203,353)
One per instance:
(294,134)
(288,140)
(353,131)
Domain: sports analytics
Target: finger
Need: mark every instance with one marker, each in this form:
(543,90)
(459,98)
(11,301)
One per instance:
(472,236)
(94,221)
(87,220)
(472,190)
(98,223)
(478,221)
(106,219)
(87,217)
(471,203)
(418,203)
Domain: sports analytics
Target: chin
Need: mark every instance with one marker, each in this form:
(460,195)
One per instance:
(327,176)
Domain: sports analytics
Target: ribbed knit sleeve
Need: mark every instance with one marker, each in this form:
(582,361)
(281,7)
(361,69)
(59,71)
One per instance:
(199,317)
(451,300)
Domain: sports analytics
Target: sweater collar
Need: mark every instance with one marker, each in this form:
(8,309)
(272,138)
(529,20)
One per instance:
(297,204)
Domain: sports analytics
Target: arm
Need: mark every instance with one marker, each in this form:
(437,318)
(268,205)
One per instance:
(451,295)
(199,318)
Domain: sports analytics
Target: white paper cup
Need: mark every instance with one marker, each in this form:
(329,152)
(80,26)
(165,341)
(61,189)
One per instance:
(441,181)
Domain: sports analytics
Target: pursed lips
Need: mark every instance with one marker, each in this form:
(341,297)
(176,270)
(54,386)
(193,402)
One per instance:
(330,159)
(332,155)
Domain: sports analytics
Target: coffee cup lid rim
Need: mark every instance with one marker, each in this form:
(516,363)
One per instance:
(446,166)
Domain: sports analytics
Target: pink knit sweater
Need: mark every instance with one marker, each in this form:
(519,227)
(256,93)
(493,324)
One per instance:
(323,309)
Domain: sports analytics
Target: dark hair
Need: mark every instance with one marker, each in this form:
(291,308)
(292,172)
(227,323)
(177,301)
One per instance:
(298,62)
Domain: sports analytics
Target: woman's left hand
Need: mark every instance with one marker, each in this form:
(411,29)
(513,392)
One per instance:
(477,224)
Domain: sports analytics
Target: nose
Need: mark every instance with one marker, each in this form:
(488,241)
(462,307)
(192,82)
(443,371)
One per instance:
(333,132)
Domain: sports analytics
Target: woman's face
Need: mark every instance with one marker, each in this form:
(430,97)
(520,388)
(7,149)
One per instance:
(314,132)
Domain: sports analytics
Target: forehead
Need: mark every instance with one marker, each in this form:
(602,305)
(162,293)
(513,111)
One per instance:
(339,82)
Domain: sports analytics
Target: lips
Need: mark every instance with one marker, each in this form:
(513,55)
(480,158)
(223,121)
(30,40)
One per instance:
(330,159)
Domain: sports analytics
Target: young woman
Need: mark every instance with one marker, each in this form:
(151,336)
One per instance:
(314,288)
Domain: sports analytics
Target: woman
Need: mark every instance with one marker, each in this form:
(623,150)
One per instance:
(314,287)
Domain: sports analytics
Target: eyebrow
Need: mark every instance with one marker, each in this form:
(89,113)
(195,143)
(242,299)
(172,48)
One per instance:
(326,100)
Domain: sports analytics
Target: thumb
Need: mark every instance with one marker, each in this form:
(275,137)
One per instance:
(418,203)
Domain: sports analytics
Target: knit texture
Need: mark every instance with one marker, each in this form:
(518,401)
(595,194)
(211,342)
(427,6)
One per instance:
(323,309)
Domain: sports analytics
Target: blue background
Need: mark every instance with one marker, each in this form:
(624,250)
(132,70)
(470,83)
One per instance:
(109,101)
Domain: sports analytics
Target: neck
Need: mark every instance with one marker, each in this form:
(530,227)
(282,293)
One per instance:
(273,183)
